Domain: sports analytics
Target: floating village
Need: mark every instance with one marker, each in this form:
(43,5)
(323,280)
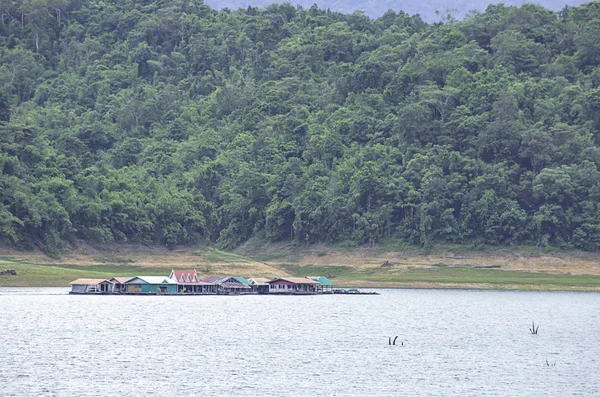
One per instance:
(187,282)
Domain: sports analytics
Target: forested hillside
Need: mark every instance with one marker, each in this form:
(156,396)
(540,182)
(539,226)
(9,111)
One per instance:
(428,10)
(167,122)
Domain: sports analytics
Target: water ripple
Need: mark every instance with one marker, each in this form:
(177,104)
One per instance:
(456,343)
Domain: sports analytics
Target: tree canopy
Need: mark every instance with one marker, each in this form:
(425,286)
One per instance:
(429,10)
(173,123)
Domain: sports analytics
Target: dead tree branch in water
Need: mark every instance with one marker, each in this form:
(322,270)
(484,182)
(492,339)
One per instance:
(533,329)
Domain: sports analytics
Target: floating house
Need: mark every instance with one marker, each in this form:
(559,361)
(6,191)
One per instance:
(244,281)
(119,284)
(228,285)
(150,285)
(259,285)
(325,285)
(91,286)
(293,286)
(188,283)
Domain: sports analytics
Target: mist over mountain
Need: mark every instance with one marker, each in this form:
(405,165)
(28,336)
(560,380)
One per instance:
(429,10)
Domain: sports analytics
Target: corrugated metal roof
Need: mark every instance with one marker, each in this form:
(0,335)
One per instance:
(226,281)
(324,281)
(121,280)
(258,281)
(88,281)
(242,280)
(296,280)
(212,279)
(215,279)
(188,275)
(152,280)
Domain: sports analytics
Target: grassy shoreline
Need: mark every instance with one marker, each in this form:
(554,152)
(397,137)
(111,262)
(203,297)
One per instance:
(59,275)
(450,277)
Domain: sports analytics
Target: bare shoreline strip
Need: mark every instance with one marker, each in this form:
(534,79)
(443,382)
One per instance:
(470,286)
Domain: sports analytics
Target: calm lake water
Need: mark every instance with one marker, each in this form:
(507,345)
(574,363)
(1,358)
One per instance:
(456,343)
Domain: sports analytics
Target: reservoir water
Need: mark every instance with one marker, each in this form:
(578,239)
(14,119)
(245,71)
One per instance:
(455,343)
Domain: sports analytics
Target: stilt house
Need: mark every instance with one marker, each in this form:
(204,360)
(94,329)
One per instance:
(228,285)
(293,286)
(151,284)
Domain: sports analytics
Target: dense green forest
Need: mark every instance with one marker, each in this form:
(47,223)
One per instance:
(428,10)
(167,122)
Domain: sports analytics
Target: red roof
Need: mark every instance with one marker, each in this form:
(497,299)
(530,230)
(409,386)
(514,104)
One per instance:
(184,276)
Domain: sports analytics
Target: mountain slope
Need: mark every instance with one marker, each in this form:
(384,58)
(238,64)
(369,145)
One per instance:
(170,123)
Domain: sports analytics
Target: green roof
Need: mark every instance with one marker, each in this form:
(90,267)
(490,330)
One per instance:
(324,281)
(243,280)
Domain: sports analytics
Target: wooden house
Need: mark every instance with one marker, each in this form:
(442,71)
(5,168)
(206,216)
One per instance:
(228,285)
(150,285)
(197,288)
(119,284)
(325,285)
(293,286)
(245,282)
(259,285)
(91,286)
(188,283)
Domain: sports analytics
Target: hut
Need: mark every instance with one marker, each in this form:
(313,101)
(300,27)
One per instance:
(259,285)
(293,286)
(325,285)
(91,286)
(150,285)
(227,285)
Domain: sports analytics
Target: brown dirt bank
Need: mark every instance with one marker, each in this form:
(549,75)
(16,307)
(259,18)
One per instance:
(209,260)
(358,266)
(372,258)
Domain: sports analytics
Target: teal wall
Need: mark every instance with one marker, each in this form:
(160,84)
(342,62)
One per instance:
(153,288)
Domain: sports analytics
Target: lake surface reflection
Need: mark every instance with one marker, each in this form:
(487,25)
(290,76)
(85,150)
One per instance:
(456,343)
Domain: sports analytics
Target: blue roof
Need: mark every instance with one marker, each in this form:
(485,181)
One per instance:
(150,280)
(324,281)
(243,280)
